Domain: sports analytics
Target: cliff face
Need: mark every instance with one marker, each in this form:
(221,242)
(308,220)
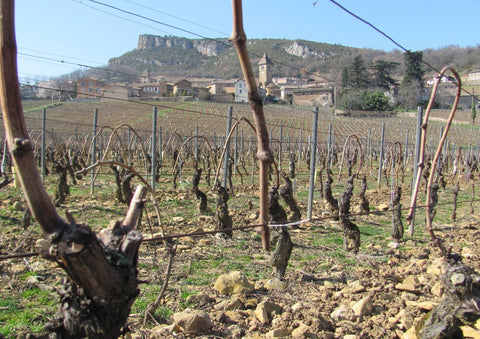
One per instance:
(303,51)
(206,47)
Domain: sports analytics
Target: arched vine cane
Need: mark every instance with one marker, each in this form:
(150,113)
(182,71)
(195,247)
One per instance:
(437,155)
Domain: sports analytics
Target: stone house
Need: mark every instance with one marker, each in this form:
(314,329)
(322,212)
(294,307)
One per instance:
(183,88)
(241,92)
(319,96)
(89,88)
(218,87)
(160,89)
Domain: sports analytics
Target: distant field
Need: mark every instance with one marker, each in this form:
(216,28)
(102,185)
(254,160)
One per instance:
(76,118)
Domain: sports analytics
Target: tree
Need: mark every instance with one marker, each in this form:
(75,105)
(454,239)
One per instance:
(412,84)
(375,101)
(346,85)
(413,68)
(382,74)
(359,76)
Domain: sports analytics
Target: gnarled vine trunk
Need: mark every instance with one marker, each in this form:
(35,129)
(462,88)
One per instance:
(102,270)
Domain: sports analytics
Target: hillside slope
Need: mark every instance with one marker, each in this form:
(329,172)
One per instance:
(216,58)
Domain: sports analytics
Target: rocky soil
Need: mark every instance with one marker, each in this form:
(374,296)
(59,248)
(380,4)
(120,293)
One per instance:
(223,288)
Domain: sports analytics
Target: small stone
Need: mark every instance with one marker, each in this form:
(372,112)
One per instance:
(278,333)
(407,296)
(394,245)
(271,307)
(193,321)
(437,289)
(298,307)
(467,252)
(234,331)
(42,245)
(354,287)
(302,331)
(328,285)
(178,219)
(383,207)
(457,279)
(470,332)
(410,334)
(251,303)
(262,315)
(205,242)
(341,312)
(424,305)
(363,307)
(406,287)
(232,304)
(275,284)
(437,267)
(350,336)
(233,283)
(18,268)
(166,329)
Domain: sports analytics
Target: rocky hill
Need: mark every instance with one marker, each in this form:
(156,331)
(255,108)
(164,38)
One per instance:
(216,58)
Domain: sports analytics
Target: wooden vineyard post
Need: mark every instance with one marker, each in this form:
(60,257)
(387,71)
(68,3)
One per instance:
(264,155)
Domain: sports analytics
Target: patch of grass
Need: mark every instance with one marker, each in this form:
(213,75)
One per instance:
(26,312)
(184,303)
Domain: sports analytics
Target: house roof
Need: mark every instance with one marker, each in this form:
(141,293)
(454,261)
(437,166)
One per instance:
(312,89)
(272,85)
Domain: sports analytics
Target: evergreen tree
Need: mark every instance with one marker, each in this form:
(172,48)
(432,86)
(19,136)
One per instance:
(413,68)
(382,74)
(346,83)
(359,76)
(412,84)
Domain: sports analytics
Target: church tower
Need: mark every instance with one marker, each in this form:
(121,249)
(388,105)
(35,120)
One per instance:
(264,73)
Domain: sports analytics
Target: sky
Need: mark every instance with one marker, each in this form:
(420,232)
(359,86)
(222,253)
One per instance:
(56,37)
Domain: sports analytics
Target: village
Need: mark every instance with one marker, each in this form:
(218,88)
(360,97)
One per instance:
(284,90)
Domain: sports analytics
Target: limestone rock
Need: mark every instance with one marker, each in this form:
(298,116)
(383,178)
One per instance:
(354,287)
(341,312)
(302,331)
(437,289)
(275,284)
(363,307)
(233,283)
(265,310)
(199,299)
(437,267)
(234,303)
(278,333)
(193,321)
(383,207)
(262,315)
(410,334)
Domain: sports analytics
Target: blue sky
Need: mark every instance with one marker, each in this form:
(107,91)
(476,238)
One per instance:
(88,33)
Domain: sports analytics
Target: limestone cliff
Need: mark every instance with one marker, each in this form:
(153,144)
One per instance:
(208,47)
